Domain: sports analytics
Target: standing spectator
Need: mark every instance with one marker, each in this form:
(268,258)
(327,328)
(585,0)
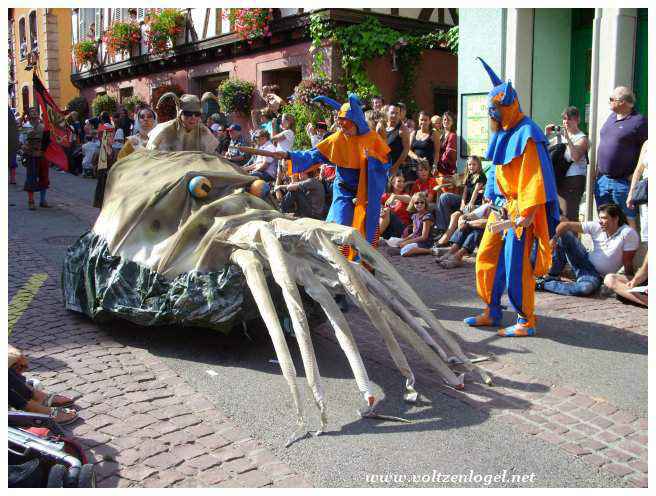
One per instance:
(394,216)
(424,142)
(377,103)
(12,146)
(263,167)
(436,123)
(89,151)
(37,167)
(571,189)
(398,139)
(125,123)
(450,206)
(316,133)
(640,173)
(223,138)
(147,120)
(418,242)
(284,140)
(620,141)
(446,163)
(304,198)
(403,112)
(106,156)
(614,245)
(236,140)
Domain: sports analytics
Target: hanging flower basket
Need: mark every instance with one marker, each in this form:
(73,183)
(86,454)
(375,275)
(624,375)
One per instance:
(121,37)
(250,24)
(236,95)
(165,30)
(86,52)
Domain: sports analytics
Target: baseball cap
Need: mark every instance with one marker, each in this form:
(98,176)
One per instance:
(234,127)
(216,128)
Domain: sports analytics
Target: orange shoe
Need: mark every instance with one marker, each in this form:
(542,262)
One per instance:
(521,329)
(483,320)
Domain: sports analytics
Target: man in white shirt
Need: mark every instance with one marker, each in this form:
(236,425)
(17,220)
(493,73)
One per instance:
(263,167)
(614,245)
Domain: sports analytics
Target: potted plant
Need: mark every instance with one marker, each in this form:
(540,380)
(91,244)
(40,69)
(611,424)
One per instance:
(122,37)
(236,95)
(165,30)
(86,52)
(102,103)
(250,24)
(307,89)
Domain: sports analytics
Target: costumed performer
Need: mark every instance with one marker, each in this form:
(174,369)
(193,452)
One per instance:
(362,163)
(521,181)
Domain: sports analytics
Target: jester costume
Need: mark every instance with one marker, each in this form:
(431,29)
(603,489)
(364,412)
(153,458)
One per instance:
(362,165)
(521,181)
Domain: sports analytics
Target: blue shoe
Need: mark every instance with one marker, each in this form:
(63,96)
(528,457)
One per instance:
(520,330)
(483,320)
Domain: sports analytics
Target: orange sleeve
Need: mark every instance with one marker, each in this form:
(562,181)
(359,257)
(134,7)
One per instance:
(530,187)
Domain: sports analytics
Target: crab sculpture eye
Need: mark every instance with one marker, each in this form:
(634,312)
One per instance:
(211,266)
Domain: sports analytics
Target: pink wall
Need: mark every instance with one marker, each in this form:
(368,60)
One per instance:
(437,69)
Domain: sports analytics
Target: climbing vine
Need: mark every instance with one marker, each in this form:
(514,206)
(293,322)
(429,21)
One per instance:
(359,43)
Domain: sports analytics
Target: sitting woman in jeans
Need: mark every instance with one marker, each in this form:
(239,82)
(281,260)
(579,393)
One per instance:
(450,206)
(572,186)
(394,216)
(418,242)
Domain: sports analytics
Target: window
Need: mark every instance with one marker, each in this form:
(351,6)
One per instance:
(22,39)
(34,42)
(124,93)
(445,99)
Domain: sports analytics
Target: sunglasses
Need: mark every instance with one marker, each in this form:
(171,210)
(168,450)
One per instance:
(420,203)
(189,113)
(611,99)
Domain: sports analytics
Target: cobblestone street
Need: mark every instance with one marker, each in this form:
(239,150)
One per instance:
(571,389)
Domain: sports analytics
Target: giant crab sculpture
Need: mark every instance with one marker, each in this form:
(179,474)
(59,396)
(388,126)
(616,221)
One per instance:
(158,255)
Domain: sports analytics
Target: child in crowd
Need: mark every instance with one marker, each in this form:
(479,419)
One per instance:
(425,182)
(418,242)
(262,167)
(394,216)
(89,149)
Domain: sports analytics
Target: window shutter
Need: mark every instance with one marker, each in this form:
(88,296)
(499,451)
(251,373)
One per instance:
(141,14)
(98,20)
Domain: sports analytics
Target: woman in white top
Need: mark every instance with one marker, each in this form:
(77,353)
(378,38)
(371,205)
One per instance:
(572,187)
(284,140)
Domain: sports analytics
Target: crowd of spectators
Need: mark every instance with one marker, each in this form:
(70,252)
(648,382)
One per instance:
(429,208)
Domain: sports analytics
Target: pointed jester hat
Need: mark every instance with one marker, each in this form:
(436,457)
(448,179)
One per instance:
(502,93)
(351,110)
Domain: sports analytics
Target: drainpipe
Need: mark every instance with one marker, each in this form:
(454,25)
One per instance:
(592,130)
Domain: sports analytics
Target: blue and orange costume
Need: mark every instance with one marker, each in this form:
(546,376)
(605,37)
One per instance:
(362,164)
(523,182)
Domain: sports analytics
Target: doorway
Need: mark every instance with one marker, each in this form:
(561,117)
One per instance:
(286,79)
(581,63)
(211,84)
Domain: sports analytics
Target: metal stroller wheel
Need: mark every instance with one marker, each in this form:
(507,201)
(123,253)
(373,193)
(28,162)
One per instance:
(57,476)
(87,477)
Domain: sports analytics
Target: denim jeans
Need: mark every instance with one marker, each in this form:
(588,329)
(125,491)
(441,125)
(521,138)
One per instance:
(447,203)
(609,190)
(570,249)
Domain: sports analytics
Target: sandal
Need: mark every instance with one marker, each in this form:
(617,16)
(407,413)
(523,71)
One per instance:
(57,401)
(63,416)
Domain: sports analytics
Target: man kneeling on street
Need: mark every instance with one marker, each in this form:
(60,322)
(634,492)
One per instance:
(614,245)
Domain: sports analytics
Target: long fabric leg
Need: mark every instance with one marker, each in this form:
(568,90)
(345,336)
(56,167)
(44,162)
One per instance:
(281,274)
(490,271)
(320,294)
(252,269)
(519,278)
(359,292)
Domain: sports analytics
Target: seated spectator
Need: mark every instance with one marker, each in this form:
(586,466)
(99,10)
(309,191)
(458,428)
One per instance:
(466,239)
(284,140)
(236,140)
(418,242)
(450,206)
(635,290)
(394,216)
(24,396)
(424,142)
(263,167)
(424,181)
(91,147)
(305,197)
(221,133)
(614,246)
(641,173)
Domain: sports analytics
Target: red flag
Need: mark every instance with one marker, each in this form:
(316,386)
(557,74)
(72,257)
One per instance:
(53,121)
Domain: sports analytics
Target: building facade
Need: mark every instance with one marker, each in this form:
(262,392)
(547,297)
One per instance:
(210,52)
(555,58)
(40,41)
